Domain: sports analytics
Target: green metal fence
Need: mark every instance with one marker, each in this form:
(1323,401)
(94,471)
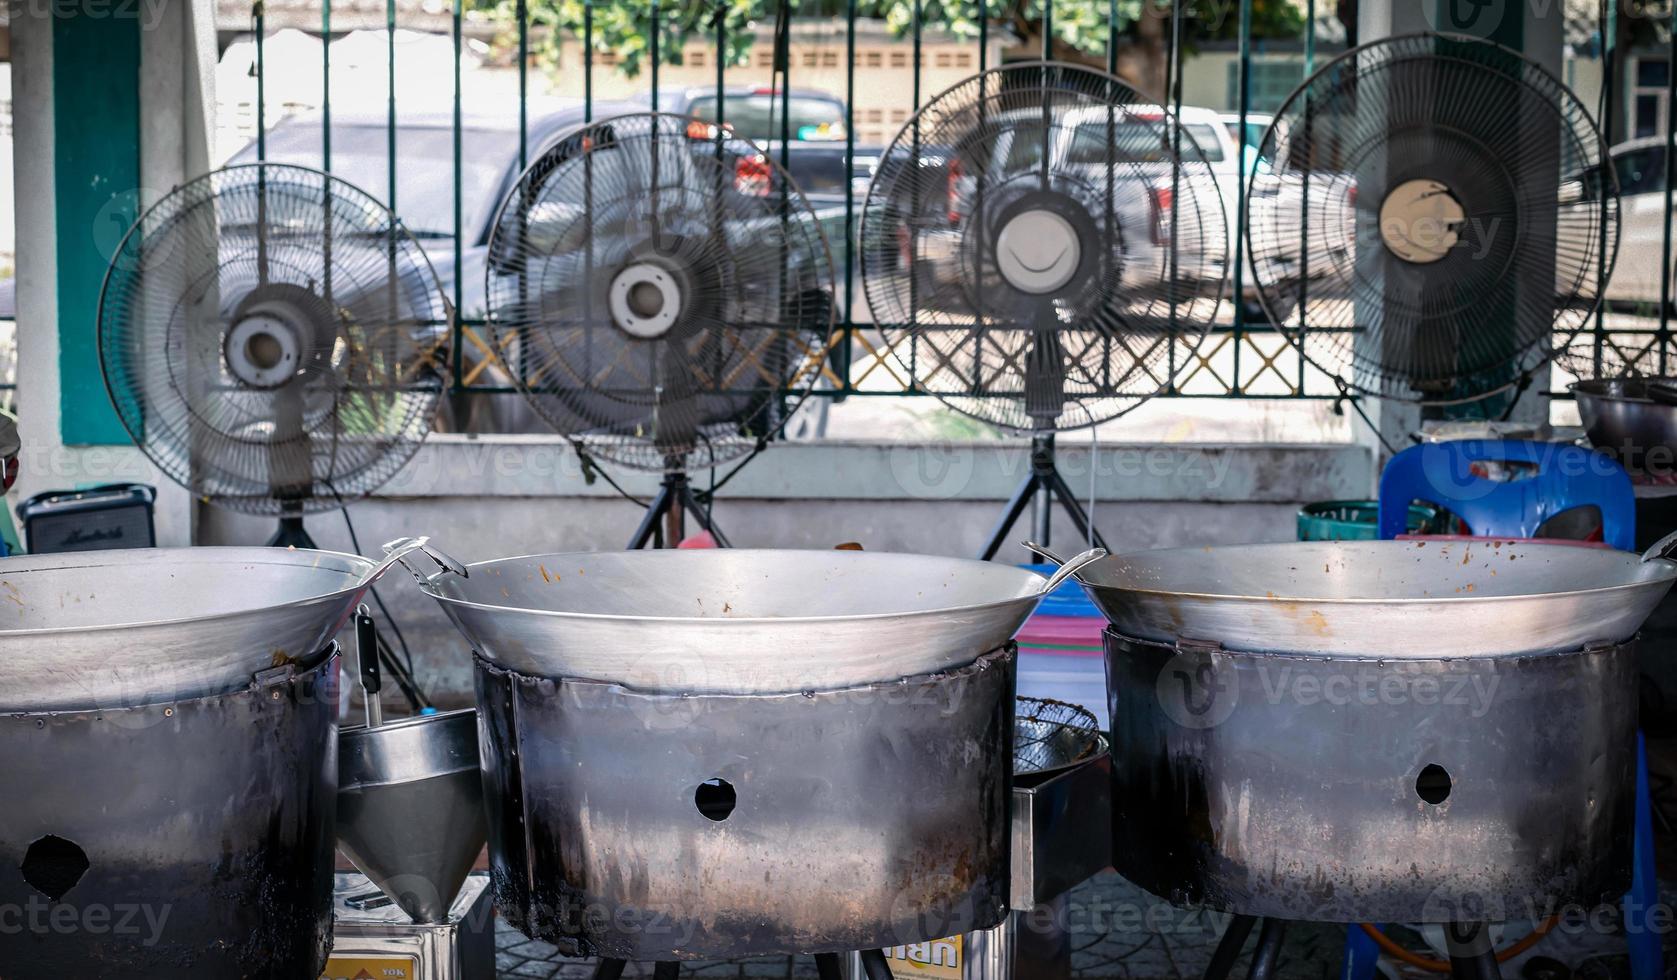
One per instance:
(1240,359)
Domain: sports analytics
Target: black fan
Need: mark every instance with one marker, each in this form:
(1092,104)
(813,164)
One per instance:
(1437,215)
(662,293)
(1044,249)
(273,340)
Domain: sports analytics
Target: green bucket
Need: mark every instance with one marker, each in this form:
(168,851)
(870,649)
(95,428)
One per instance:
(1354,520)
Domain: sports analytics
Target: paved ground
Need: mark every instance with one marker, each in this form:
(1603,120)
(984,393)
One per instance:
(1118,931)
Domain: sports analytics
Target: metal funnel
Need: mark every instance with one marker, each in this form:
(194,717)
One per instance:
(410,808)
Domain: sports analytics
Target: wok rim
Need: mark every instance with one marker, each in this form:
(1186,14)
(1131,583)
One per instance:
(428,587)
(1585,388)
(1668,566)
(225,550)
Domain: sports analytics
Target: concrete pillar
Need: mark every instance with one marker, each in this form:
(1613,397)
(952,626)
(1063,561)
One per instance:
(1536,29)
(177,58)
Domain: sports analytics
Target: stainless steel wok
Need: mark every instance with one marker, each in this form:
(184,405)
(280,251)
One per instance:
(99,629)
(738,621)
(1622,419)
(1391,599)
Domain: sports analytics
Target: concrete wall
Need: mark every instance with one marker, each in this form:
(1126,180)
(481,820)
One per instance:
(492,497)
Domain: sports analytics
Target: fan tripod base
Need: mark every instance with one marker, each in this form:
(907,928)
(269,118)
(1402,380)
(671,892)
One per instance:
(291,535)
(665,523)
(1045,486)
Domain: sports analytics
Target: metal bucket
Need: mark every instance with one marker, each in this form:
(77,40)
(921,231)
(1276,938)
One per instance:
(178,839)
(651,826)
(1344,789)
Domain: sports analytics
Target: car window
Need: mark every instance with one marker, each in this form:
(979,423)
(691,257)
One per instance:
(757,116)
(1137,140)
(424,174)
(1641,171)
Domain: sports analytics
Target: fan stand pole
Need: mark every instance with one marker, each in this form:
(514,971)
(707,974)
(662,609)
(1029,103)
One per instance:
(666,516)
(1043,484)
(291,534)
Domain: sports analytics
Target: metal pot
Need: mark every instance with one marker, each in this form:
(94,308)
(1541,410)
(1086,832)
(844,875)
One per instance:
(112,628)
(1384,598)
(739,621)
(1622,419)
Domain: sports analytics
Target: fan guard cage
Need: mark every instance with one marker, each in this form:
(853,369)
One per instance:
(661,292)
(1414,282)
(945,291)
(273,339)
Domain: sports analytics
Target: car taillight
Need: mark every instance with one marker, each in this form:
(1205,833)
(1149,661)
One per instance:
(1161,199)
(952,191)
(752,176)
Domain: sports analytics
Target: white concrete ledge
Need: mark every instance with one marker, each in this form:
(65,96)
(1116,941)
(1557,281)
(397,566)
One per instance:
(535,466)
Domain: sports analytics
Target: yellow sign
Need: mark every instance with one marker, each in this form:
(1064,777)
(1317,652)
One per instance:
(370,968)
(936,960)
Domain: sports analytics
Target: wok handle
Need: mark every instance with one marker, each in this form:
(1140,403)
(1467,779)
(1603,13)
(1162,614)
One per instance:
(1067,568)
(1041,550)
(1662,548)
(399,550)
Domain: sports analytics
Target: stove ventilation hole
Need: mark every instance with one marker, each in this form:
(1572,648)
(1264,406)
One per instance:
(53,865)
(715,799)
(1433,784)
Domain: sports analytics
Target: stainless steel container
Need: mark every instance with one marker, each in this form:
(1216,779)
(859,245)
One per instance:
(1620,418)
(650,826)
(109,629)
(1392,599)
(735,621)
(1431,788)
(173,840)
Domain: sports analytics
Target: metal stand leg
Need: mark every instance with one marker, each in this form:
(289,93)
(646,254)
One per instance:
(1647,958)
(666,970)
(828,966)
(651,524)
(291,535)
(1229,947)
(665,523)
(1471,955)
(1045,479)
(874,964)
(1362,954)
(609,969)
(1268,952)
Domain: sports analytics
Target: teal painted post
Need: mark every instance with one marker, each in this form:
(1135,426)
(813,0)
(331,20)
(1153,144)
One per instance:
(96,163)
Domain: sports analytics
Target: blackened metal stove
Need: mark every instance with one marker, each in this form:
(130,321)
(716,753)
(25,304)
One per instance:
(173,839)
(1342,789)
(664,826)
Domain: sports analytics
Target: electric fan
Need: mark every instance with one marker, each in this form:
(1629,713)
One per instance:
(662,294)
(1443,216)
(1043,249)
(273,340)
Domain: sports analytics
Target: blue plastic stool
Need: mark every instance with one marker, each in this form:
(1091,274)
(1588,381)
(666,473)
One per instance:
(1567,477)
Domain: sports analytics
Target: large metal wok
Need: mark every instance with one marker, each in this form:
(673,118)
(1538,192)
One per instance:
(1392,599)
(1623,416)
(739,621)
(107,628)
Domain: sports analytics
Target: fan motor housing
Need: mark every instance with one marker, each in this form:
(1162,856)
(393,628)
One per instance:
(279,331)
